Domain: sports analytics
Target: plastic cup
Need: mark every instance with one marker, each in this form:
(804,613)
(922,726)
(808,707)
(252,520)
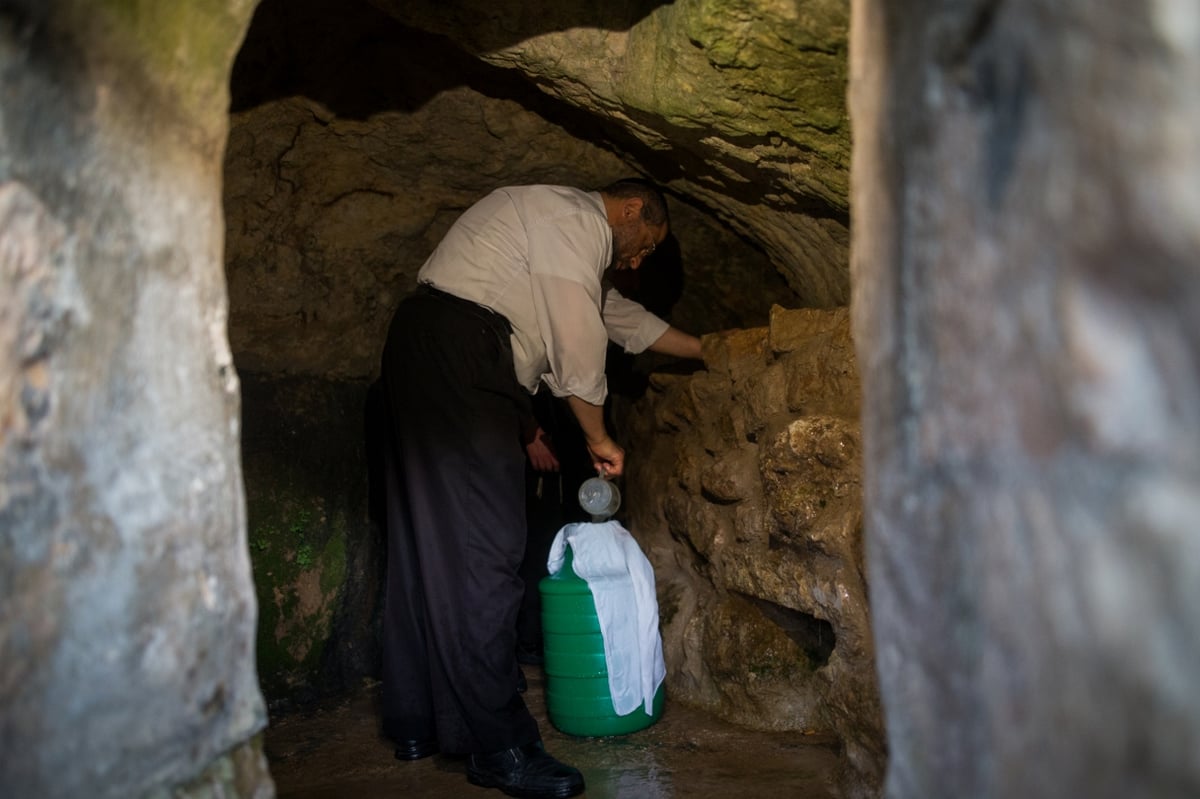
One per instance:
(599,497)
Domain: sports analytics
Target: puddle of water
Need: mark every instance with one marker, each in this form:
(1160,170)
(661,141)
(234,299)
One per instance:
(335,751)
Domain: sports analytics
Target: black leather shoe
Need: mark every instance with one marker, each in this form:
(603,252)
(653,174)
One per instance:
(415,748)
(527,772)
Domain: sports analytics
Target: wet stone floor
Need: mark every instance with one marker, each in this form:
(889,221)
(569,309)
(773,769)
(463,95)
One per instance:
(335,752)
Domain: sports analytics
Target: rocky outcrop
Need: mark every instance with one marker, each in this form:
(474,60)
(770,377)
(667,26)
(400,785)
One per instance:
(745,492)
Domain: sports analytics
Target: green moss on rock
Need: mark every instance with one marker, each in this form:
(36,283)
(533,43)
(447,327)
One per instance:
(299,564)
(184,48)
(312,543)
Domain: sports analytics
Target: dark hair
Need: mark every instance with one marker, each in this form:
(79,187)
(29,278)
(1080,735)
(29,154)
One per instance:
(654,205)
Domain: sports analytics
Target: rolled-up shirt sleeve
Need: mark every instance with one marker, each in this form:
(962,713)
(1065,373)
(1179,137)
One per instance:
(629,324)
(568,247)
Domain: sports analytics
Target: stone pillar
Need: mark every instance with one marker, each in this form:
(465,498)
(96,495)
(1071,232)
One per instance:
(127,623)
(1026,271)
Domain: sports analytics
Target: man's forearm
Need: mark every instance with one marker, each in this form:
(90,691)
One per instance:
(677,343)
(607,455)
(591,419)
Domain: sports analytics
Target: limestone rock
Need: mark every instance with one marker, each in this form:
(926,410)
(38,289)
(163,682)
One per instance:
(810,473)
(755,528)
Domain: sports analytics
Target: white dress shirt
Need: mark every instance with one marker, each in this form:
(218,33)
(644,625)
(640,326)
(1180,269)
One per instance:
(536,255)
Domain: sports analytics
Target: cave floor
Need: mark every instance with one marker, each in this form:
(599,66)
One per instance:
(334,751)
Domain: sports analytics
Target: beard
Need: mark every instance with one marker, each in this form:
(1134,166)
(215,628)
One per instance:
(624,240)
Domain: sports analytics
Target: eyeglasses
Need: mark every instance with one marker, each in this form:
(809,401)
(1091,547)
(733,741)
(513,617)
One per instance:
(648,249)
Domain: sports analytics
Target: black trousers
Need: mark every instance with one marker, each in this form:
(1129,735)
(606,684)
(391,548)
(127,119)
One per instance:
(456,528)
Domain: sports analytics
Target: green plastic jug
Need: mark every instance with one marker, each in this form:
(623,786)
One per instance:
(578,701)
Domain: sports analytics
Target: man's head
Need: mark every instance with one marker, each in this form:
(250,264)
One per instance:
(637,214)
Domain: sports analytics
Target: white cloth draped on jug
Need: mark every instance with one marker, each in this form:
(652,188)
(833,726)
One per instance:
(621,580)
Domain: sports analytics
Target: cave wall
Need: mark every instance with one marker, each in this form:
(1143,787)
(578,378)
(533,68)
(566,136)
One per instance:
(744,490)
(127,628)
(1027,314)
(314,531)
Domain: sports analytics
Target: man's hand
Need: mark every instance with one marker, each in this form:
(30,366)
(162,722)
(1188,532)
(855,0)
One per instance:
(607,456)
(541,452)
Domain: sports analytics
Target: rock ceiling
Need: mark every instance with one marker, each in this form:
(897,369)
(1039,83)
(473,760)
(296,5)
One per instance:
(737,104)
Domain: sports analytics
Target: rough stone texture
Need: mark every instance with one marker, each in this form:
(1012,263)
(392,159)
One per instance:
(736,104)
(334,217)
(1027,310)
(314,530)
(127,626)
(744,492)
